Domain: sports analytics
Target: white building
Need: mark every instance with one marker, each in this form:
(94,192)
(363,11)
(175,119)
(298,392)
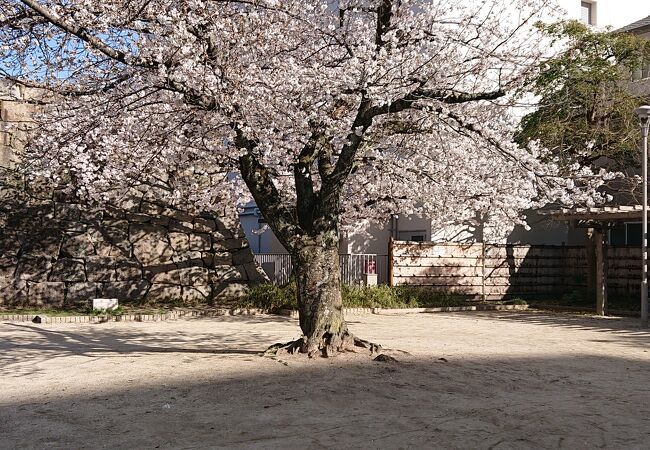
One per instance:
(606,13)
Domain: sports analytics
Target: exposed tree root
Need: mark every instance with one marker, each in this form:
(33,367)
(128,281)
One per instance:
(327,345)
(374,348)
(385,358)
(288,348)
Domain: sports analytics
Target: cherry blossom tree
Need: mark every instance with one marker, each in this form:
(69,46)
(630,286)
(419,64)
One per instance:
(324,112)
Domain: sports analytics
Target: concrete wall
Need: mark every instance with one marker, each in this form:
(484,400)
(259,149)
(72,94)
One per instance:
(371,238)
(543,231)
(367,237)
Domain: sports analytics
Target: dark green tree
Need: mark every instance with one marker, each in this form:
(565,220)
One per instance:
(586,96)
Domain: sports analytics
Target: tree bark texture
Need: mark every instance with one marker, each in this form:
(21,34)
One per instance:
(320,303)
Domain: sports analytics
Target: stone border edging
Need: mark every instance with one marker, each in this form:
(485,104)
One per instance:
(585,309)
(136,317)
(174,315)
(397,311)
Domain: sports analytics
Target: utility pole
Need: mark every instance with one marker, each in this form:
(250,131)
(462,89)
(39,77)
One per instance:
(644,117)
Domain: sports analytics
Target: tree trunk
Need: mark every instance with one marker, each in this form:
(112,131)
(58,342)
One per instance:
(320,303)
(310,232)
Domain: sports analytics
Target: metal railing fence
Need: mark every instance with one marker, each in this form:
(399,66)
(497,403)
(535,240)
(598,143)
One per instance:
(278,267)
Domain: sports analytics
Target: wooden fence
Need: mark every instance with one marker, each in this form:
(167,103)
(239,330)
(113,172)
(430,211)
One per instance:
(505,270)
(624,270)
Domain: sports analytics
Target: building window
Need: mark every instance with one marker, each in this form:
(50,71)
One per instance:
(625,234)
(587,13)
(633,234)
(617,234)
(641,73)
(415,236)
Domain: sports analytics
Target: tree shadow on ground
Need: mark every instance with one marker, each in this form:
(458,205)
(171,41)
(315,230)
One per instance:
(199,385)
(247,319)
(22,352)
(564,402)
(623,330)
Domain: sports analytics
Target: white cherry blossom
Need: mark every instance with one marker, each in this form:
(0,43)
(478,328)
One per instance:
(325,112)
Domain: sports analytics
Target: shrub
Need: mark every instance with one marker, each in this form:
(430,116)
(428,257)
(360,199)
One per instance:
(576,297)
(270,297)
(374,297)
(516,301)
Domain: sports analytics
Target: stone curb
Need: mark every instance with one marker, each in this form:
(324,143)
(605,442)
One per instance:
(400,311)
(172,315)
(586,310)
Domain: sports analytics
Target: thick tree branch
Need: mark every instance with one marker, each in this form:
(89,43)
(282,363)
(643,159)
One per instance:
(13,20)
(365,115)
(333,183)
(444,96)
(305,198)
(81,33)
(192,96)
(258,180)
(384,199)
(325,152)
(384,16)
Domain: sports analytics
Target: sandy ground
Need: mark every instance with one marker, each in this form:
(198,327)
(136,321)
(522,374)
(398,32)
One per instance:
(505,380)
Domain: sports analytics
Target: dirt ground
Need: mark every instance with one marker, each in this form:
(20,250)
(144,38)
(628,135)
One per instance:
(470,381)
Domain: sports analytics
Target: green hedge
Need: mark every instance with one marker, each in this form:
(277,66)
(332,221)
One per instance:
(267,296)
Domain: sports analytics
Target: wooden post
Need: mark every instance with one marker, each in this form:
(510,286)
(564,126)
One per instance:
(390,261)
(590,250)
(601,272)
(565,266)
(483,296)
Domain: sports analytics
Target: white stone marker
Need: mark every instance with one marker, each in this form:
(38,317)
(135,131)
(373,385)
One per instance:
(105,304)
(370,279)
